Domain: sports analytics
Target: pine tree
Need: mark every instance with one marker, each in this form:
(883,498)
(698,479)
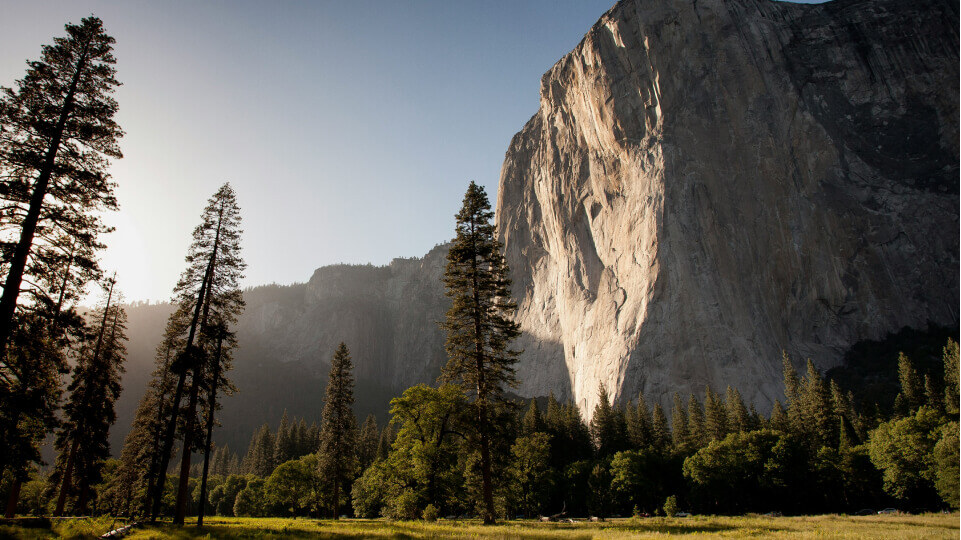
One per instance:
(950,358)
(792,395)
(679,429)
(56,135)
(738,418)
(479,325)
(639,423)
(608,430)
(338,460)
(697,435)
(284,449)
(779,419)
(533,420)
(912,385)
(367,444)
(259,459)
(715,416)
(385,442)
(221,361)
(819,429)
(89,412)
(208,297)
(660,432)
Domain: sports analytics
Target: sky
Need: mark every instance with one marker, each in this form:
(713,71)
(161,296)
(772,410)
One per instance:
(349,130)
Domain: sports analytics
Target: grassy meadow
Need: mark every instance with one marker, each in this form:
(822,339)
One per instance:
(827,526)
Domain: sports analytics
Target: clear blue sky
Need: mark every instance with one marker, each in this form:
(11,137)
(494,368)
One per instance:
(350,130)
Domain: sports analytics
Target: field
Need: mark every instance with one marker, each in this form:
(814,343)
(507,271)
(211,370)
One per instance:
(829,526)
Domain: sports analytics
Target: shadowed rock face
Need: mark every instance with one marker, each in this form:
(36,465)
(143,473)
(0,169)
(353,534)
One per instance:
(710,182)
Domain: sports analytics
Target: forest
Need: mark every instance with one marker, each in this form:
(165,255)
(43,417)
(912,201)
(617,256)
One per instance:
(464,446)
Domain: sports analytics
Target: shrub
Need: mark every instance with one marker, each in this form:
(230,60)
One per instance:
(431,513)
(670,506)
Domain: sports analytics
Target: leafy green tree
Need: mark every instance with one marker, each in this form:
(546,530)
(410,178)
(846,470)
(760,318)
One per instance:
(425,453)
(251,501)
(295,486)
(638,478)
(944,461)
(223,497)
(338,434)
(902,450)
(479,325)
(741,472)
(369,492)
(530,471)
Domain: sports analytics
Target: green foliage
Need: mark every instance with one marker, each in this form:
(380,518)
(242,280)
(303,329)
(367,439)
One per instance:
(295,486)
(670,506)
(608,426)
(479,325)
(944,461)
(338,433)
(901,450)
(250,500)
(431,513)
(530,472)
(741,471)
(950,359)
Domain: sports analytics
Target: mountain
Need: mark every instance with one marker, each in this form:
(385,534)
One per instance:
(710,182)
(705,184)
(387,316)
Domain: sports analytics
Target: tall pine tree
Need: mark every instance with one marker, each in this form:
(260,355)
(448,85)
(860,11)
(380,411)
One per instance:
(338,434)
(207,295)
(479,325)
(57,136)
(89,411)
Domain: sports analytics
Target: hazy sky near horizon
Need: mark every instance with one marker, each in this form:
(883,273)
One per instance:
(350,130)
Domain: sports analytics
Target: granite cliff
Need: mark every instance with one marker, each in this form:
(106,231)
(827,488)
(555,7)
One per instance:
(710,182)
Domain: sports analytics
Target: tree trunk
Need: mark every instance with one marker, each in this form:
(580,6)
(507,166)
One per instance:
(212,404)
(18,264)
(13,498)
(67,477)
(180,512)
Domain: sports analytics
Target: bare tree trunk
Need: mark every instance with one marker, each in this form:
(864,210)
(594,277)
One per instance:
(13,499)
(212,404)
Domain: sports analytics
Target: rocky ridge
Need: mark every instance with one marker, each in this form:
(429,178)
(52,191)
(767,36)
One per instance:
(710,182)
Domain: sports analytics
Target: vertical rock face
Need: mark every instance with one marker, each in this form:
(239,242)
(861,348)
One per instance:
(710,182)
(387,315)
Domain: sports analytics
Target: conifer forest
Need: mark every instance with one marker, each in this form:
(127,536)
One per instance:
(465,444)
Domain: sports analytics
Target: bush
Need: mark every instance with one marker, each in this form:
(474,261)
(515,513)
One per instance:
(431,513)
(670,506)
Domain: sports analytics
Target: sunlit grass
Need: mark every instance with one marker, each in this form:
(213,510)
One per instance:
(828,526)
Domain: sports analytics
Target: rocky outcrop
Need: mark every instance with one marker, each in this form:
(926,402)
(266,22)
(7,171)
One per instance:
(710,182)
(387,316)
